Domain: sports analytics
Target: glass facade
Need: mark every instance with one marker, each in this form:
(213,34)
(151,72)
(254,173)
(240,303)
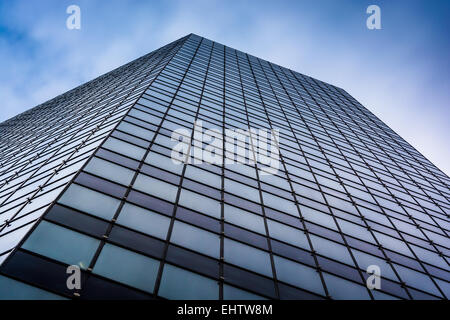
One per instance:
(88,179)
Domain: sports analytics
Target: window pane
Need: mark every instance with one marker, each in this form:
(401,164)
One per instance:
(393,244)
(127,267)
(15,290)
(318,217)
(124,148)
(244,218)
(290,235)
(200,203)
(242,190)
(196,239)
(62,244)
(180,284)
(203,176)
(331,249)
(90,201)
(247,257)
(298,274)
(416,279)
(281,204)
(163,162)
(145,221)
(109,171)
(233,293)
(364,260)
(156,187)
(135,130)
(341,289)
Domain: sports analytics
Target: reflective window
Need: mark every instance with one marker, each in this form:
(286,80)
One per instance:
(364,260)
(15,290)
(109,171)
(200,203)
(288,234)
(124,148)
(160,161)
(233,293)
(416,279)
(242,190)
(341,289)
(156,187)
(298,274)
(138,271)
(331,249)
(247,257)
(62,244)
(281,204)
(143,220)
(392,243)
(180,284)
(196,239)
(203,176)
(135,130)
(244,219)
(90,201)
(317,217)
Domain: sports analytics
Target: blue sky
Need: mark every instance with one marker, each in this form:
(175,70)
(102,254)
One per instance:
(401,73)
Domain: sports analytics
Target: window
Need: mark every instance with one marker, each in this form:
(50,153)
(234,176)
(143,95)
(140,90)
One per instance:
(124,148)
(196,239)
(156,187)
(180,284)
(163,162)
(62,244)
(242,190)
(233,293)
(145,116)
(281,204)
(275,180)
(127,267)
(355,230)
(244,218)
(203,176)
(341,289)
(90,201)
(364,260)
(109,171)
(145,221)
(288,234)
(135,130)
(331,249)
(200,203)
(416,279)
(393,244)
(247,257)
(16,290)
(298,274)
(430,257)
(242,169)
(317,217)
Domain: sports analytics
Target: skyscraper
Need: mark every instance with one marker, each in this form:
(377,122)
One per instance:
(202,172)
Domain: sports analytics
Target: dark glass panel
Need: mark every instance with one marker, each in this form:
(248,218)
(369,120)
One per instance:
(193,261)
(249,280)
(77,220)
(245,236)
(150,202)
(99,184)
(198,219)
(137,241)
(116,158)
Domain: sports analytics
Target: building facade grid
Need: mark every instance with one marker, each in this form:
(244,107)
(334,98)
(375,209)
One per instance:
(349,192)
